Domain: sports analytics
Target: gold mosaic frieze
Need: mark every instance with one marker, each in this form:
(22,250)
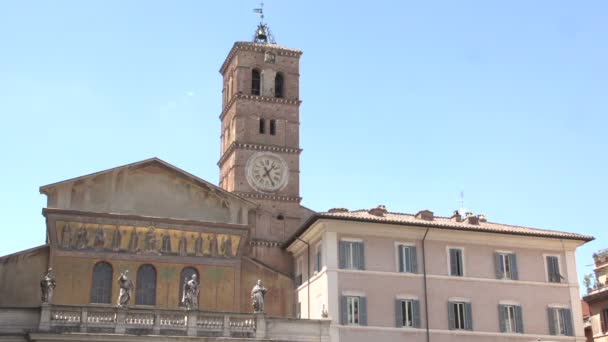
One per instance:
(144,240)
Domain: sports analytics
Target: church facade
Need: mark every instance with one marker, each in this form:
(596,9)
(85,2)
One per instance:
(340,276)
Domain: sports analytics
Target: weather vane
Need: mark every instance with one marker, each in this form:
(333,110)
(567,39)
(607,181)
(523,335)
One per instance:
(262,33)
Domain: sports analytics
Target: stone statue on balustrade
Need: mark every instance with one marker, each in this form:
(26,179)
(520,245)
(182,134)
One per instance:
(257,296)
(47,285)
(190,293)
(126,286)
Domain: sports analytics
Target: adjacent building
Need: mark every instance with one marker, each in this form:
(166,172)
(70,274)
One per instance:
(597,298)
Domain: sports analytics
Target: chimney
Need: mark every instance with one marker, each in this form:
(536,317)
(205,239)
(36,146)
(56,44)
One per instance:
(456,216)
(426,215)
(337,210)
(378,211)
(472,219)
(482,218)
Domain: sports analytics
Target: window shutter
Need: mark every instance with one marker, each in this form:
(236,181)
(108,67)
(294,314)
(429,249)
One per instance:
(400,257)
(568,319)
(451,318)
(342,252)
(362,311)
(502,319)
(519,320)
(414,259)
(513,263)
(361,256)
(500,273)
(468,315)
(416,309)
(343,310)
(453,262)
(553,269)
(398,313)
(551,315)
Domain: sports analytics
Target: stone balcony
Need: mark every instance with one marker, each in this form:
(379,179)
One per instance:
(99,323)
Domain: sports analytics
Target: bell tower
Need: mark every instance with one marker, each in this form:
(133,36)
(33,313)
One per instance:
(260,149)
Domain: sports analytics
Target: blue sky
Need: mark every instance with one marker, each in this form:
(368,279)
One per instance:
(404,103)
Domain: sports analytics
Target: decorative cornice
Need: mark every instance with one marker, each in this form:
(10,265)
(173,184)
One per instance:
(269,197)
(259,47)
(256,147)
(256,98)
(264,243)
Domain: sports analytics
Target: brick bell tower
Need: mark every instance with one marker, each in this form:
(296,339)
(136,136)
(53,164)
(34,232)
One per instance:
(260,149)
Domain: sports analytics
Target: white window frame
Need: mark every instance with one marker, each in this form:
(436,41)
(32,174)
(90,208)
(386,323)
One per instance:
(300,269)
(559,324)
(350,261)
(511,325)
(462,260)
(405,314)
(397,256)
(352,317)
(559,265)
(459,316)
(505,259)
(318,251)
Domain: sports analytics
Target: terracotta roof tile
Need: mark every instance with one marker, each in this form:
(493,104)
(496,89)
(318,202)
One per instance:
(447,223)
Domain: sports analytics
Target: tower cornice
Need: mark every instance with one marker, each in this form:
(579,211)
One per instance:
(256,98)
(258,47)
(256,147)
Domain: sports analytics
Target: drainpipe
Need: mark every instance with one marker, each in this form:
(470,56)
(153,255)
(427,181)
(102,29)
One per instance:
(426,297)
(308,275)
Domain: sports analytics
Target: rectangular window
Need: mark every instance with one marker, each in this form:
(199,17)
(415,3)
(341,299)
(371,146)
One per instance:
(273,127)
(510,319)
(553,273)
(459,316)
(262,126)
(407,259)
(353,310)
(317,256)
(352,307)
(506,266)
(407,313)
(605,320)
(456,262)
(298,278)
(351,255)
(560,321)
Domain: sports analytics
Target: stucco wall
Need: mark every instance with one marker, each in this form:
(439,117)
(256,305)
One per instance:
(150,190)
(20,275)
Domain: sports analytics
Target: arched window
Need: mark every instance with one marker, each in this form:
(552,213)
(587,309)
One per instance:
(256,81)
(101,289)
(278,85)
(145,293)
(186,275)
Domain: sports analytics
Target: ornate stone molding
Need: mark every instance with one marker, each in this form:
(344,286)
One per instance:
(256,147)
(259,47)
(256,98)
(269,197)
(264,243)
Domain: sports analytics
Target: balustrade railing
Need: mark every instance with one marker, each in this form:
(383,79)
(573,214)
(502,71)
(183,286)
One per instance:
(64,318)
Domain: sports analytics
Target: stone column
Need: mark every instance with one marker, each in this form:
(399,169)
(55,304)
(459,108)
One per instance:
(45,317)
(191,322)
(260,325)
(121,315)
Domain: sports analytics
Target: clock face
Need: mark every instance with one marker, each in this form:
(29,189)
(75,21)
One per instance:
(267,172)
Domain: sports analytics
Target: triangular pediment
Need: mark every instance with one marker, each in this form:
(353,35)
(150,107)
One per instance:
(150,187)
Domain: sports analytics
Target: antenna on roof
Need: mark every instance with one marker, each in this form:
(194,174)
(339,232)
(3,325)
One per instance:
(462,209)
